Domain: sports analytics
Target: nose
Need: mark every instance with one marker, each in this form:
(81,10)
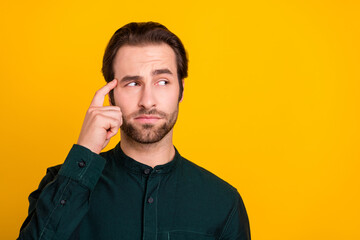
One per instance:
(147,100)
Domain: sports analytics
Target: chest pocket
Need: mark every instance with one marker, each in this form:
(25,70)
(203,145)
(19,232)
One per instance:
(183,235)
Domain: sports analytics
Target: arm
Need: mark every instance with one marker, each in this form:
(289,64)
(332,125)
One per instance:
(237,226)
(62,199)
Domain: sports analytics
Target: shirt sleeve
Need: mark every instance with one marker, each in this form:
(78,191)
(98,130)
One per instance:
(62,199)
(237,226)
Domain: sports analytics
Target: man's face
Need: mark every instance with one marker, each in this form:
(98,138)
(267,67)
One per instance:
(147,91)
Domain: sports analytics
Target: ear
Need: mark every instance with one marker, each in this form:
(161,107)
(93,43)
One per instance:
(182,96)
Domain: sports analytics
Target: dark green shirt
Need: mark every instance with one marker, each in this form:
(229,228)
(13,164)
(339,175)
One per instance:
(112,196)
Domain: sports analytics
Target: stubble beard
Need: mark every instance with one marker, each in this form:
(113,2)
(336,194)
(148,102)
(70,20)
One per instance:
(149,133)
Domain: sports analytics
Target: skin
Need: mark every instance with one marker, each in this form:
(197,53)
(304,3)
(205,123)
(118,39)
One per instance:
(146,92)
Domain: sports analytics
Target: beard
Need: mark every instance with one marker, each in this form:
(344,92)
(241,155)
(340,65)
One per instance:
(149,133)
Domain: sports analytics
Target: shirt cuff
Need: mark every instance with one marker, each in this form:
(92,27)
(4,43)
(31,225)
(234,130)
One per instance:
(83,165)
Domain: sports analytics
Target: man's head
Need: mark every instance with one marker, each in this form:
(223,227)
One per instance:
(141,34)
(149,63)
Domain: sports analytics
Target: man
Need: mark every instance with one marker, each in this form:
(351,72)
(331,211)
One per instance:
(143,188)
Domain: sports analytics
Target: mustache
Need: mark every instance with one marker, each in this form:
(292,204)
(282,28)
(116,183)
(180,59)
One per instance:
(154,112)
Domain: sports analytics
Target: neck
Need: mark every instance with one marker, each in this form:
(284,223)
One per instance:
(153,154)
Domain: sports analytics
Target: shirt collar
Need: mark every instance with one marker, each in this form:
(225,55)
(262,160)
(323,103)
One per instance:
(137,167)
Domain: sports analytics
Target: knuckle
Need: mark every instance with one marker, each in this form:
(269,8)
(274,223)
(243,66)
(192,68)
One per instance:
(97,117)
(91,110)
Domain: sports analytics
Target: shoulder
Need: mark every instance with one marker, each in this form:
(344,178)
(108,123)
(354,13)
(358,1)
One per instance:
(207,182)
(210,195)
(199,173)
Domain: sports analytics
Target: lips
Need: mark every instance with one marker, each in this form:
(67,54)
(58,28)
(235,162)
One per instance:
(147,118)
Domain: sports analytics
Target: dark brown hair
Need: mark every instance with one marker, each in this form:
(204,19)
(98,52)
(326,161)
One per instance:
(139,34)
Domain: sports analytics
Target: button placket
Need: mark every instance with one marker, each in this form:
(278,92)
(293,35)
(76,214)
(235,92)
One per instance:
(150,206)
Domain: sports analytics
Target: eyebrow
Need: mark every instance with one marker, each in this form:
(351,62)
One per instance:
(128,78)
(161,71)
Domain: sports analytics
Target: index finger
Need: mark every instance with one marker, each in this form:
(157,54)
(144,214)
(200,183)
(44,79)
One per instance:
(100,94)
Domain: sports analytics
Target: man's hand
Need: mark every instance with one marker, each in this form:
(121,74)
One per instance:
(101,123)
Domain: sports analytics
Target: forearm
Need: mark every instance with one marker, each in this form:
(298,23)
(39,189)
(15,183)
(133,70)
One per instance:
(58,207)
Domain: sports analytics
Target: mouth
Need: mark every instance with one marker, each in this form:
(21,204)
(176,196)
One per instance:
(147,119)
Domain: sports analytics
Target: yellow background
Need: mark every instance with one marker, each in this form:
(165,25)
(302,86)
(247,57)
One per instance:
(271,103)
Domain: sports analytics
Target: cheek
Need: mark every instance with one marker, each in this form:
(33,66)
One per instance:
(171,101)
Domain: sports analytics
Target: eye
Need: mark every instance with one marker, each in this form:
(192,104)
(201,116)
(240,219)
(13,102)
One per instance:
(132,84)
(162,82)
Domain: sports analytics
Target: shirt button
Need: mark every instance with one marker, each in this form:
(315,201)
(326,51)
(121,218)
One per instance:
(82,164)
(147,171)
(150,200)
(62,202)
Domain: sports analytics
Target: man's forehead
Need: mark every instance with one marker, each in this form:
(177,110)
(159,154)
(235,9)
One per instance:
(156,52)
(145,60)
